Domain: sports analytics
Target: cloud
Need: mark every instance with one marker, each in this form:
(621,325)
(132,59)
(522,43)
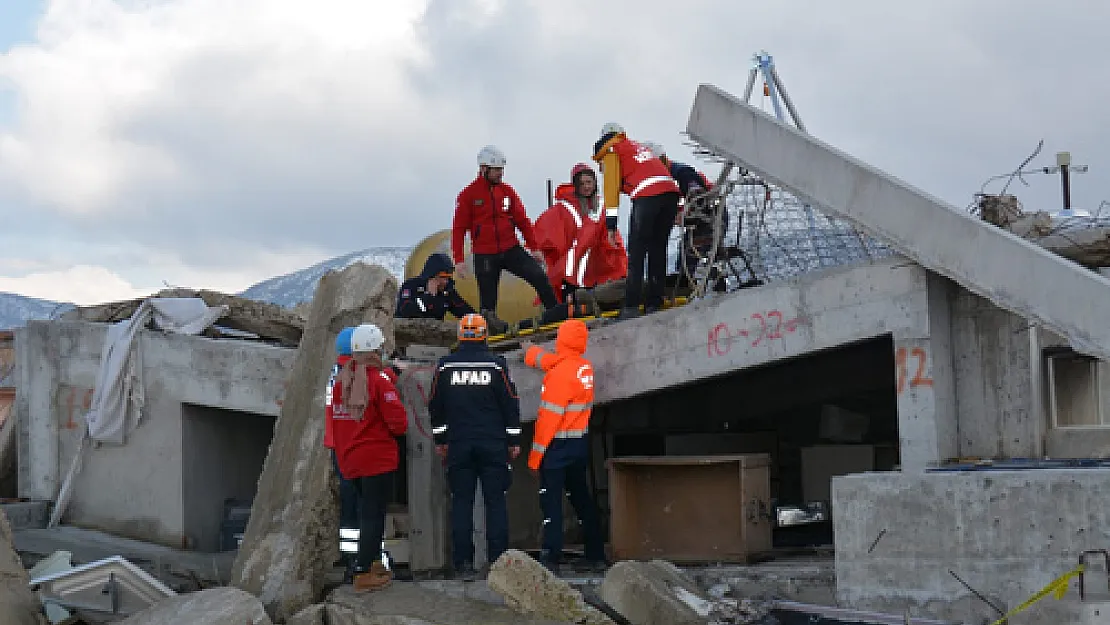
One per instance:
(81,284)
(227,140)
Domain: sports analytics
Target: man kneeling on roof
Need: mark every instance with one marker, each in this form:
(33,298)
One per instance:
(432,294)
(572,236)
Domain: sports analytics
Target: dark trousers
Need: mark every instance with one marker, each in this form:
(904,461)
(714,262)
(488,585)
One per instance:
(649,229)
(373,498)
(348,498)
(467,463)
(571,478)
(517,261)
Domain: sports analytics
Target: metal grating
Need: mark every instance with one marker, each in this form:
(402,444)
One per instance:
(781,235)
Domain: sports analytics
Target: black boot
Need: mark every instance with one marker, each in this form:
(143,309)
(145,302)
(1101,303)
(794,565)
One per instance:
(629,313)
(496,325)
(554,314)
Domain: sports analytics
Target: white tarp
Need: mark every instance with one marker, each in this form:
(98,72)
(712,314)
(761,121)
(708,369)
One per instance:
(118,400)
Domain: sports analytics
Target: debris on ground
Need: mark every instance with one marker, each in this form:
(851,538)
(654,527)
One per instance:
(530,588)
(290,543)
(19,605)
(215,606)
(417,603)
(659,593)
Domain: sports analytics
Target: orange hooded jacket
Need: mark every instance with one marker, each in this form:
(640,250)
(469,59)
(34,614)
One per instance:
(566,400)
(575,247)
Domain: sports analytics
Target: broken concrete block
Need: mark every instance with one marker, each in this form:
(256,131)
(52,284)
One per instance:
(17,605)
(215,606)
(417,605)
(654,593)
(529,588)
(328,614)
(291,540)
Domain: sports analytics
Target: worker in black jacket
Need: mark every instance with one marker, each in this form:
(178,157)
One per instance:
(432,294)
(475,414)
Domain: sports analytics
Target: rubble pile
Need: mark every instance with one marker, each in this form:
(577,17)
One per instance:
(529,588)
(18,606)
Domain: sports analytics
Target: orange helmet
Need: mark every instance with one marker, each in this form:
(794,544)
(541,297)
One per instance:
(472,327)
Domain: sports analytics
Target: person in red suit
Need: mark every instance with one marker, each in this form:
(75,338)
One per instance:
(630,168)
(572,236)
(490,210)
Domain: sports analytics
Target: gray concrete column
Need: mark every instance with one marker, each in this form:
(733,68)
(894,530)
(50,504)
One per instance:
(925,385)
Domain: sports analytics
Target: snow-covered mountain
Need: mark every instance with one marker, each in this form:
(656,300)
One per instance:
(288,290)
(15,310)
(299,286)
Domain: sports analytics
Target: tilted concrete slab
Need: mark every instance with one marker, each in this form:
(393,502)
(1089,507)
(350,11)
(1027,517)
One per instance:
(1013,273)
(749,328)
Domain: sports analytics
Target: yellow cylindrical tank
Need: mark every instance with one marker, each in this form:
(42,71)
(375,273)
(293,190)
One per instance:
(516,299)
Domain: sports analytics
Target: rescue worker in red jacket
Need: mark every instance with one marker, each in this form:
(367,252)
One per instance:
(572,236)
(368,414)
(560,446)
(348,497)
(491,211)
(630,168)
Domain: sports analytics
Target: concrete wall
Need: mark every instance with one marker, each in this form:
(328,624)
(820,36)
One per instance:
(1006,533)
(998,381)
(135,489)
(749,328)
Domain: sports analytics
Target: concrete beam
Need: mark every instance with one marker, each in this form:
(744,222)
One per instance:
(749,328)
(1009,271)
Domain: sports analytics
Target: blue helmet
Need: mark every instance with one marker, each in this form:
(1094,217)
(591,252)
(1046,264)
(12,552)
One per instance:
(343,342)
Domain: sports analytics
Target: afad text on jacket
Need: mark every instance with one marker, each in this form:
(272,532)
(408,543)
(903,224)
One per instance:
(473,398)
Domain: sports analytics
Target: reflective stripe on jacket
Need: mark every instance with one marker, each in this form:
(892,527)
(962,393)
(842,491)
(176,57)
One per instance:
(566,400)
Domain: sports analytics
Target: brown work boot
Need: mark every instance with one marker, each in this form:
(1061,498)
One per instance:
(376,578)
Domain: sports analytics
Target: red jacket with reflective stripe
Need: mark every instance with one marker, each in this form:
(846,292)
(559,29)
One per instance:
(632,169)
(491,213)
(566,400)
(575,247)
(329,406)
(365,444)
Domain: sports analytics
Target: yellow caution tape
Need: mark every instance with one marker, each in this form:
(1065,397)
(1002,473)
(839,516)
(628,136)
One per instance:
(1057,587)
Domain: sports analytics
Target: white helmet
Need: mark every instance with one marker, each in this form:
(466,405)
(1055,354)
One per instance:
(367,338)
(655,148)
(611,127)
(491,156)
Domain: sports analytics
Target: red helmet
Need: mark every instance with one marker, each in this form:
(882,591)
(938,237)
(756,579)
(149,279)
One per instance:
(579,168)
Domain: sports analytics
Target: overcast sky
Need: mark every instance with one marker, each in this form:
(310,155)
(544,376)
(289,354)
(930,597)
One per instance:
(215,143)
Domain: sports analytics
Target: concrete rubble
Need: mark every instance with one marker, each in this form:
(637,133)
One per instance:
(17,605)
(215,606)
(413,601)
(529,588)
(328,614)
(290,542)
(658,593)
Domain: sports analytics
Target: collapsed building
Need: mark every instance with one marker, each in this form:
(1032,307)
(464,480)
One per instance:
(914,395)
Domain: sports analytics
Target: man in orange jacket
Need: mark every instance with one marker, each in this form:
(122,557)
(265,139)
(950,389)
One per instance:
(560,446)
(571,234)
